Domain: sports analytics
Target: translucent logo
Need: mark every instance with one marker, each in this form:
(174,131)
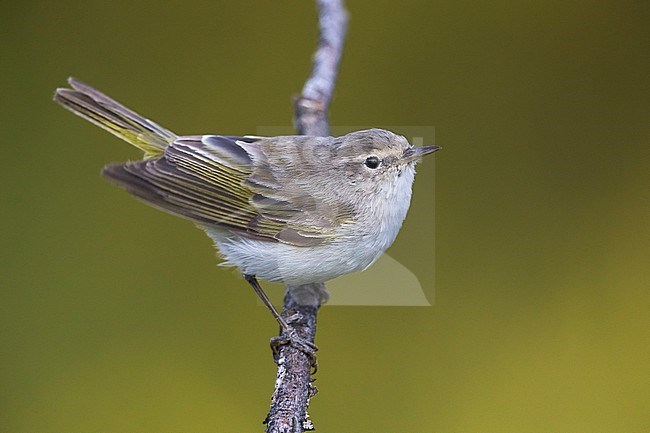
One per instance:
(405,274)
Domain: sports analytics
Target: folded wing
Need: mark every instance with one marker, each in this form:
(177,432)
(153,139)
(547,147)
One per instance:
(207,179)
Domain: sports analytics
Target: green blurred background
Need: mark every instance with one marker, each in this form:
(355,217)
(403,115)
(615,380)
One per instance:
(114,317)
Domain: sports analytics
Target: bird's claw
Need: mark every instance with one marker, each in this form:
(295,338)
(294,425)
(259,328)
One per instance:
(290,337)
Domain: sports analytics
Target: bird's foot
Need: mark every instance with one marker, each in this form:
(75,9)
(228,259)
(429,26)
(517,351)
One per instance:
(290,337)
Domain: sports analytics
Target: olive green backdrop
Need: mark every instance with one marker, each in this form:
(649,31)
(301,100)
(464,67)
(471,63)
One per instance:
(115,318)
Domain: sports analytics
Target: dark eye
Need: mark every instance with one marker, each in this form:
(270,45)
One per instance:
(372,162)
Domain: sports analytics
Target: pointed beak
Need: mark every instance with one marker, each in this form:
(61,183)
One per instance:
(415,153)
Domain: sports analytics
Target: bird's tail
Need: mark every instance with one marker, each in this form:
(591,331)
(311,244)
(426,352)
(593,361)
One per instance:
(89,103)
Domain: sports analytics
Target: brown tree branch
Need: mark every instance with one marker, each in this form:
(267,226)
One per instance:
(293,385)
(312,106)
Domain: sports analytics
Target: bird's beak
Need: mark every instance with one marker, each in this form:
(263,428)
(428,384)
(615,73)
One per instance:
(415,153)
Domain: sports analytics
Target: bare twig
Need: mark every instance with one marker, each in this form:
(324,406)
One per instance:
(293,385)
(312,105)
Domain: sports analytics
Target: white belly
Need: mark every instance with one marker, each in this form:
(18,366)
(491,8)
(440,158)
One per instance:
(278,262)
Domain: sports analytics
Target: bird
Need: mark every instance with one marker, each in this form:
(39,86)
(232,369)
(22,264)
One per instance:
(292,209)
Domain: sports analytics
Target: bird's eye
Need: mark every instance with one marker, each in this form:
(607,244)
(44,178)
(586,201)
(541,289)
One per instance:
(372,162)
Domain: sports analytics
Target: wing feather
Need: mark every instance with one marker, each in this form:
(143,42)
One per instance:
(214,180)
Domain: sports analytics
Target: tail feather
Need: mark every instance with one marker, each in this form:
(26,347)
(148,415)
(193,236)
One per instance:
(89,103)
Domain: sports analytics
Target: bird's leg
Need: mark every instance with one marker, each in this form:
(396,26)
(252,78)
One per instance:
(289,334)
